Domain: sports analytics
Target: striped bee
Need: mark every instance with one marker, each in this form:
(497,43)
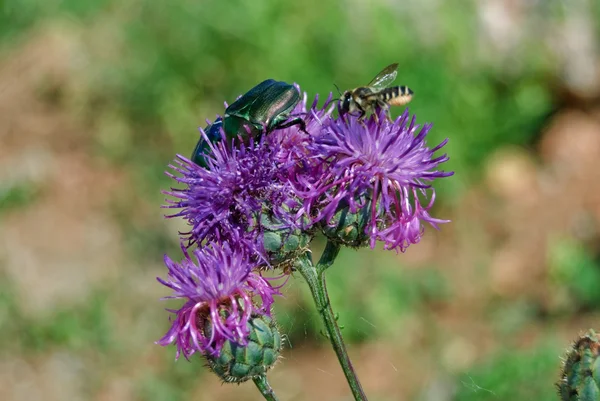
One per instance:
(376,93)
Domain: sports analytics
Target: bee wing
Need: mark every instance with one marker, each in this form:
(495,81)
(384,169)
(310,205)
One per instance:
(385,77)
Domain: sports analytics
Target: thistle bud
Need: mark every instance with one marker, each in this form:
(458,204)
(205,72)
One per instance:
(282,243)
(348,228)
(580,376)
(237,363)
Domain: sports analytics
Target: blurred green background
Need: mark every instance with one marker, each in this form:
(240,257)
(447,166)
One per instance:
(97,96)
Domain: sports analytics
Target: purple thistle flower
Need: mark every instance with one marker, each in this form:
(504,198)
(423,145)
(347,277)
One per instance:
(383,166)
(292,143)
(219,287)
(226,200)
(244,182)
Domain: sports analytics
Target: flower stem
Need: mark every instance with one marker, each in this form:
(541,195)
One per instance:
(315,278)
(265,388)
(328,257)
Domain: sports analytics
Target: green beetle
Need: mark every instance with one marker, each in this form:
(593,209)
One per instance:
(266,107)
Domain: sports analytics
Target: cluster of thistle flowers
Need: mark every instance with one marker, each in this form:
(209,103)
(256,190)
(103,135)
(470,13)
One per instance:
(257,206)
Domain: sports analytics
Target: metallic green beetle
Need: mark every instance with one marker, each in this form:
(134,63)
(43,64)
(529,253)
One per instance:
(264,108)
(267,106)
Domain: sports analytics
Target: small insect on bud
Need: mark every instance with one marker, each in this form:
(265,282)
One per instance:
(347,228)
(237,363)
(580,375)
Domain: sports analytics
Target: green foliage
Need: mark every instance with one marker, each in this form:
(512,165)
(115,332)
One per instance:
(509,375)
(159,389)
(172,381)
(371,293)
(17,195)
(85,326)
(573,267)
(16,16)
(509,318)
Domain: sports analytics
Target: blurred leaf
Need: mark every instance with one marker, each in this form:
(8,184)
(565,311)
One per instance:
(574,267)
(516,376)
(17,195)
(85,326)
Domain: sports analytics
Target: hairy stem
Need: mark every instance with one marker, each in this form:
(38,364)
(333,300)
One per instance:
(315,278)
(265,388)
(328,257)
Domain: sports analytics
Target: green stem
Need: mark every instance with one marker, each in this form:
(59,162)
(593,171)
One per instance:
(265,388)
(328,257)
(315,278)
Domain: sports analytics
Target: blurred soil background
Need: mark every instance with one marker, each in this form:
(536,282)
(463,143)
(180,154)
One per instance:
(97,96)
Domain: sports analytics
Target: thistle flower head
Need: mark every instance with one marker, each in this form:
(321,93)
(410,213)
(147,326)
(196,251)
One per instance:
(221,294)
(385,166)
(243,182)
(292,142)
(237,363)
(225,201)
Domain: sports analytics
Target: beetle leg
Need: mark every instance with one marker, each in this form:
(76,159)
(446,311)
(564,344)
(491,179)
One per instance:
(295,121)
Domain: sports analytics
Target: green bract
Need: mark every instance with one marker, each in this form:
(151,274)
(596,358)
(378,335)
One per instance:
(237,363)
(580,376)
(282,243)
(348,229)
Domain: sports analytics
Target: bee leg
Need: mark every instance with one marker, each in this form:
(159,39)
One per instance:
(361,118)
(361,115)
(386,109)
(376,118)
(387,114)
